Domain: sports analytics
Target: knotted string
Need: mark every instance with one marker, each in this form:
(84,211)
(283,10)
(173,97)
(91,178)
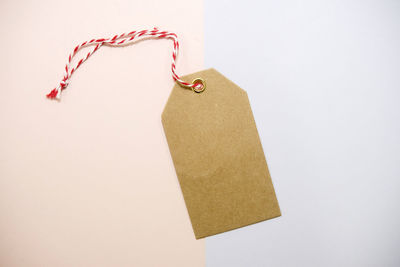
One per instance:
(119,40)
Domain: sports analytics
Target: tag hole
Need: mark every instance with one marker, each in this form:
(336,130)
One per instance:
(200,85)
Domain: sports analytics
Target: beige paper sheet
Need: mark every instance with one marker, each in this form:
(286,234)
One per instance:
(218,156)
(89,181)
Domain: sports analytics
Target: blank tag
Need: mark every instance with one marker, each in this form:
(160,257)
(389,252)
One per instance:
(218,156)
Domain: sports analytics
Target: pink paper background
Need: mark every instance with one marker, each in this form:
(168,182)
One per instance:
(89,181)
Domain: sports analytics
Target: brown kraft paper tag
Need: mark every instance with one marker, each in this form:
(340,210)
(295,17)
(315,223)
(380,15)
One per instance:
(218,156)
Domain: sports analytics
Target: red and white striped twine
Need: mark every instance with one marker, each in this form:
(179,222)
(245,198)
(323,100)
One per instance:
(119,40)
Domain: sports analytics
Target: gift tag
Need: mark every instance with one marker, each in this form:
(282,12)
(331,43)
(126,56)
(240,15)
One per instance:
(213,142)
(218,156)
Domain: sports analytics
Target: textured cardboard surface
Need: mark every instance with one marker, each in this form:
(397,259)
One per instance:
(218,156)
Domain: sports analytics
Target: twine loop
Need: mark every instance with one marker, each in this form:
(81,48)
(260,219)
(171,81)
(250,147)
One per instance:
(122,40)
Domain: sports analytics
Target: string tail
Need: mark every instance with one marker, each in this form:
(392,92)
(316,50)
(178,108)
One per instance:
(53,94)
(118,40)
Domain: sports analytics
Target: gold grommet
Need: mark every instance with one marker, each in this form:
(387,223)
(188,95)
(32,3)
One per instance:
(199,81)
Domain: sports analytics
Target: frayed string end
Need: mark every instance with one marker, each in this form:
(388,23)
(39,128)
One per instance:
(53,94)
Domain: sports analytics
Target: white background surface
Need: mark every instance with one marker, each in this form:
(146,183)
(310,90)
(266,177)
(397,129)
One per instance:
(323,81)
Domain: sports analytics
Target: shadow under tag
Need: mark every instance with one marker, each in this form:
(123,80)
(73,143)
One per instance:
(218,156)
